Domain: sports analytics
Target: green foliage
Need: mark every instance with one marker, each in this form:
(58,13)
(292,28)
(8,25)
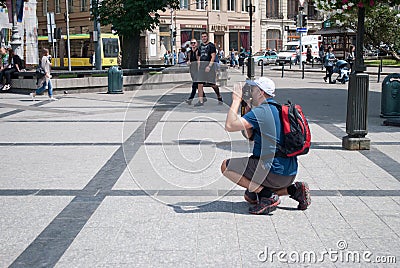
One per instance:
(381,25)
(133,16)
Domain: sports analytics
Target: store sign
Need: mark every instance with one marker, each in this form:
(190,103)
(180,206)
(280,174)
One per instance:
(239,27)
(219,28)
(193,26)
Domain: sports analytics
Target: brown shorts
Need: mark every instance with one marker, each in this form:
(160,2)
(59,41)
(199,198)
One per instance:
(253,169)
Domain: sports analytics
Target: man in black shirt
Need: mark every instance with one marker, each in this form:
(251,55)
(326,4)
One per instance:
(207,71)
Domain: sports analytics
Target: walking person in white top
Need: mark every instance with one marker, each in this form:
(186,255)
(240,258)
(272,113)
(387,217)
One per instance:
(45,83)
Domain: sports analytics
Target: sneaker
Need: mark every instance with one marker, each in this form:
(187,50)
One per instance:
(250,197)
(302,195)
(52,99)
(189,101)
(199,104)
(220,101)
(325,79)
(32,96)
(266,205)
(204,99)
(6,87)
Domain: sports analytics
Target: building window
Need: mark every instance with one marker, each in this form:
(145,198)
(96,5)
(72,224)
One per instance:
(57,6)
(238,40)
(292,8)
(200,4)
(70,6)
(274,40)
(183,4)
(245,3)
(273,9)
(45,2)
(231,5)
(216,4)
(84,5)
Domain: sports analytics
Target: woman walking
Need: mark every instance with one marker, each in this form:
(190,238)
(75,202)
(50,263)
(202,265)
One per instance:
(44,83)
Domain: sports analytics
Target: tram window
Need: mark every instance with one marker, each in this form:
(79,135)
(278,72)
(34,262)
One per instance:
(110,47)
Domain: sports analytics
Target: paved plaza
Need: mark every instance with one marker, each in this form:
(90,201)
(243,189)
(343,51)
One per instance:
(133,180)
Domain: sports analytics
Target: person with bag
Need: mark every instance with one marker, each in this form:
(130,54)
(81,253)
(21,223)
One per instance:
(328,63)
(265,174)
(44,83)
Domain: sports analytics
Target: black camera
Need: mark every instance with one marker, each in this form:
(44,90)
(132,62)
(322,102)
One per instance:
(49,57)
(246,98)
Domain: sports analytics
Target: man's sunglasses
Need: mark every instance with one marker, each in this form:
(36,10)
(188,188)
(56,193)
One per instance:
(193,43)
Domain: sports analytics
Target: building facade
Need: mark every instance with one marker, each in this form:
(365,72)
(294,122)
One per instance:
(227,21)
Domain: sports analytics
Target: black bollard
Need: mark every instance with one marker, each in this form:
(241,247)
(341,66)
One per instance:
(381,65)
(243,68)
(312,63)
(283,69)
(379,73)
(290,64)
(262,68)
(302,71)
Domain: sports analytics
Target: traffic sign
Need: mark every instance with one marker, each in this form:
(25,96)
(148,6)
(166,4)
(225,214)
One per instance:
(301,30)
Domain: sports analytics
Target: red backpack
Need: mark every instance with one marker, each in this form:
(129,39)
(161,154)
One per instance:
(297,135)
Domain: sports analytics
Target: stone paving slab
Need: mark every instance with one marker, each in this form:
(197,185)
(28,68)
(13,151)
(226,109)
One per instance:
(124,196)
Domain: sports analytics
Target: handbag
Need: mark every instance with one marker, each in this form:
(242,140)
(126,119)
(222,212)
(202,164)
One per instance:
(40,72)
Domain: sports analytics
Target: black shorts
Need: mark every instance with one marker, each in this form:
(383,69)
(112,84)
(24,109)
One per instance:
(253,169)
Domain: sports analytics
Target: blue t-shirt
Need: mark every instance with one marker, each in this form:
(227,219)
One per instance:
(267,131)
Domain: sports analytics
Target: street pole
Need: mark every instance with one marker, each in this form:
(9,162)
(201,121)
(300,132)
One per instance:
(250,63)
(16,43)
(300,20)
(68,41)
(357,100)
(172,36)
(97,37)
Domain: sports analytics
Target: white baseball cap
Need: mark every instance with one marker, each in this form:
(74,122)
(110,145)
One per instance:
(265,84)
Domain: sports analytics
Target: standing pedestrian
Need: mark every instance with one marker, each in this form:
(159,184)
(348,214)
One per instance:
(309,54)
(182,57)
(45,82)
(321,53)
(298,58)
(207,69)
(329,62)
(194,69)
(265,175)
(351,57)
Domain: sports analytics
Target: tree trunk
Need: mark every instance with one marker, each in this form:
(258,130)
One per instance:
(130,51)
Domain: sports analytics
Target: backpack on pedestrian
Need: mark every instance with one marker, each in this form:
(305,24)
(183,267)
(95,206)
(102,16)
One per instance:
(297,135)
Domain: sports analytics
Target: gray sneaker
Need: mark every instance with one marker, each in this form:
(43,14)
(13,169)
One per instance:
(266,205)
(302,195)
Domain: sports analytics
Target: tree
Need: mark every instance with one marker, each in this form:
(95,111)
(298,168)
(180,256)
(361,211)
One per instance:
(381,21)
(129,18)
(381,25)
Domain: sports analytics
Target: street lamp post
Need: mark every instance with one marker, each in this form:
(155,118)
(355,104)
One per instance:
(357,100)
(250,63)
(16,43)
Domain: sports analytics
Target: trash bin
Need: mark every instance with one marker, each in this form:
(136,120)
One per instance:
(390,97)
(115,80)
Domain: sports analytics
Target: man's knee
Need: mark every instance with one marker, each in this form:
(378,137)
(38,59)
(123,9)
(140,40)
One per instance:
(223,166)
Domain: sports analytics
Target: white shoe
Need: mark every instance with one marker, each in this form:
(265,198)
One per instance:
(32,96)
(6,87)
(53,99)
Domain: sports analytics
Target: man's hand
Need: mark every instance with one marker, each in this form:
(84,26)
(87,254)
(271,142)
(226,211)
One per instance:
(207,69)
(237,92)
